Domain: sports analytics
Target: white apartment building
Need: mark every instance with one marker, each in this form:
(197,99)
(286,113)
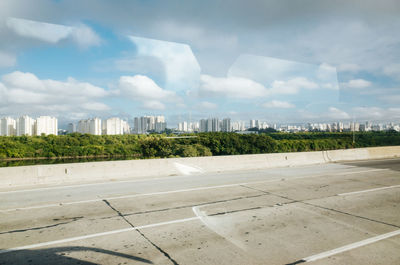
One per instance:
(238,126)
(183,126)
(226,125)
(7,127)
(188,126)
(115,126)
(25,126)
(254,124)
(71,128)
(90,126)
(210,125)
(149,123)
(46,125)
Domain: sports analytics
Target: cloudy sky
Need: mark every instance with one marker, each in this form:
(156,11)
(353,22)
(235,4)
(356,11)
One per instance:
(278,61)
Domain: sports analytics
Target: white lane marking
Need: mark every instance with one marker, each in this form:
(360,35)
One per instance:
(127,196)
(370,190)
(351,246)
(2,251)
(362,171)
(187,170)
(147,179)
(144,179)
(176,191)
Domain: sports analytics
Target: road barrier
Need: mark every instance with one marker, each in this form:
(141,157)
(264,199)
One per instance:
(119,170)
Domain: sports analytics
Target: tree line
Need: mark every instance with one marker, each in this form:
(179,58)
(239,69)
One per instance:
(205,144)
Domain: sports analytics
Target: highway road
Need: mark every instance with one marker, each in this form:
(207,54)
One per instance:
(339,213)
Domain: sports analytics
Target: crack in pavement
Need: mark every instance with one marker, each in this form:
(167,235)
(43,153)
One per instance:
(190,206)
(322,207)
(73,219)
(141,233)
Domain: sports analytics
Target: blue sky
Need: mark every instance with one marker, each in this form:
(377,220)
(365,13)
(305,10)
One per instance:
(277,61)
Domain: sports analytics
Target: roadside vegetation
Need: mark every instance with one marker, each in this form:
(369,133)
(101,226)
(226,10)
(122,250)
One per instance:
(205,144)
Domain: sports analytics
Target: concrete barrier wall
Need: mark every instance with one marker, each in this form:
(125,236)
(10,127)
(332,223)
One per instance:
(118,170)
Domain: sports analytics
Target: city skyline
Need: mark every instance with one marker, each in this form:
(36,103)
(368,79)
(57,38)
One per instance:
(25,125)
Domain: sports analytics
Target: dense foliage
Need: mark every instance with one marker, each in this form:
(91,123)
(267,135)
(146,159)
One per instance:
(205,144)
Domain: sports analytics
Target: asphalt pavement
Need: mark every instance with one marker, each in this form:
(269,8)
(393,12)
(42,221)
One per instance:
(339,213)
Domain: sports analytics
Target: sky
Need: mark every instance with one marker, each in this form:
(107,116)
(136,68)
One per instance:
(279,61)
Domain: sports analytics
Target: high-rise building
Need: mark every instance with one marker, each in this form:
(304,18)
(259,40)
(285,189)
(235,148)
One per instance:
(203,125)
(209,125)
(226,125)
(90,126)
(25,126)
(238,126)
(115,126)
(46,125)
(183,126)
(160,127)
(215,125)
(8,126)
(139,125)
(125,127)
(254,124)
(71,128)
(149,123)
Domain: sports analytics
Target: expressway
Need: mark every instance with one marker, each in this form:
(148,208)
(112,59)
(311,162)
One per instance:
(337,213)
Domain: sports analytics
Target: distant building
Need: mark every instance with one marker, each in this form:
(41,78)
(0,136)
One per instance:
(238,126)
(25,126)
(115,126)
(377,127)
(90,126)
(8,126)
(160,124)
(71,128)
(149,123)
(226,125)
(46,125)
(215,125)
(183,126)
(254,124)
(139,125)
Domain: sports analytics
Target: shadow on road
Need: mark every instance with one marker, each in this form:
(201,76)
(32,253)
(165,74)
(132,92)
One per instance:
(378,164)
(59,256)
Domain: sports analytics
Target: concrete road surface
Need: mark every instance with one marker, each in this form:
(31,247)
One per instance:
(325,214)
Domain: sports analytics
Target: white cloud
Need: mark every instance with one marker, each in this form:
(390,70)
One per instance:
(390,98)
(278,104)
(292,86)
(392,70)
(84,36)
(244,88)
(153,104)
(97,106)
(207,105)
(7,60)
(144,89)
(233,87)
(357,83)
(374,113)
(26,93)
(53,33)
(326,72)
(182,70)
(337,114)
(330,86)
